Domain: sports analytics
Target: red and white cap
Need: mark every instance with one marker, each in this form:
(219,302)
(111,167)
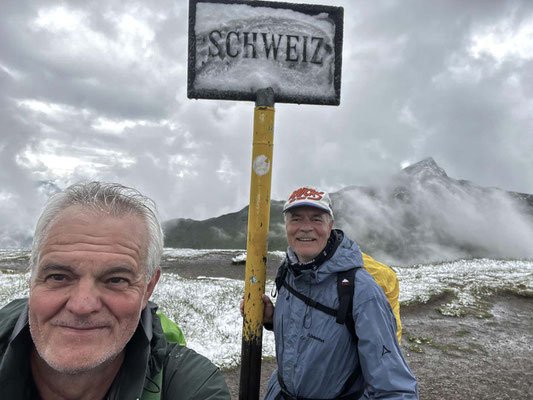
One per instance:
(309,196)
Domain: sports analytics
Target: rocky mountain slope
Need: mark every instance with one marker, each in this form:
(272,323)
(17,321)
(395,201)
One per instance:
(419,215)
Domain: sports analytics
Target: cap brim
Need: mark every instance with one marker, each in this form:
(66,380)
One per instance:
(308,204)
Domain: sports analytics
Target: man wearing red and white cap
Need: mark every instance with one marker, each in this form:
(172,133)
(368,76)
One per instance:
(317,356)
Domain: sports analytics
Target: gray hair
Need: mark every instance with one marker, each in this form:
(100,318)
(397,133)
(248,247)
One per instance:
(112,198)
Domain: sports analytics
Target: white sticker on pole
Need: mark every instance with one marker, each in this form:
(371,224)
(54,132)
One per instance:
(261,165)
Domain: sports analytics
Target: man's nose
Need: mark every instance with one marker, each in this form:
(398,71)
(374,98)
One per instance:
(84,298)
(306,226)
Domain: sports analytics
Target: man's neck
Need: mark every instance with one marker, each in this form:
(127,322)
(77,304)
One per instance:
(88,385)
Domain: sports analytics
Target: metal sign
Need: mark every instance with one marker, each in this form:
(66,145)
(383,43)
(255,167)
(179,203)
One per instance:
(238,47)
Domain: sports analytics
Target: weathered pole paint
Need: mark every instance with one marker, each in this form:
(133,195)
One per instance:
(256,247)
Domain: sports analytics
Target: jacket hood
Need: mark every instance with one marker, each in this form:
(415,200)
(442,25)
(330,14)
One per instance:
(347,256)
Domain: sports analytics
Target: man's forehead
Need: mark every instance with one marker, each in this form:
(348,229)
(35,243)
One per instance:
(87,217)
(89,230)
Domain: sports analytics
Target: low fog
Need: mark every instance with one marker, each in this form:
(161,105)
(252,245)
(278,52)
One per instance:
(421,215)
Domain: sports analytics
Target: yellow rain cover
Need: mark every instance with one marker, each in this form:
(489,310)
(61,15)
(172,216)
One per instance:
(387,279)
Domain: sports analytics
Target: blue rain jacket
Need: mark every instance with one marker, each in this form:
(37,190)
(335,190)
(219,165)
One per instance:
(316,355)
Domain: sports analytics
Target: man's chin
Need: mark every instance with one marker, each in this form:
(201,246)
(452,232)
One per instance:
(80,363)
(306,255)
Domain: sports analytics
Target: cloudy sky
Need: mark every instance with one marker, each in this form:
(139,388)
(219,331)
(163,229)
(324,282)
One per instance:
(97,90)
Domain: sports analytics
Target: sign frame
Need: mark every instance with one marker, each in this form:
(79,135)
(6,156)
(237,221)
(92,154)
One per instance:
(334,13)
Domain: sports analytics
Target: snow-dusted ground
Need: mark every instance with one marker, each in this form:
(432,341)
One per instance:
(207,308)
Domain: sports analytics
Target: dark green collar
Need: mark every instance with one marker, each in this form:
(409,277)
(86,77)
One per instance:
(16,381)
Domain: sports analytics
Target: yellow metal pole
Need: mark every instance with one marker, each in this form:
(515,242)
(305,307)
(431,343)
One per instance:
(256,247)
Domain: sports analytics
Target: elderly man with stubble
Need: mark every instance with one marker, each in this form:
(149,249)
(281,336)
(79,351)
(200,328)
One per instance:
(88,330)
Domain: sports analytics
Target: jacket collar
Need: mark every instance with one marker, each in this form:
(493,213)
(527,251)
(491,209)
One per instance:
(140,362)
(22,322)
(16,346)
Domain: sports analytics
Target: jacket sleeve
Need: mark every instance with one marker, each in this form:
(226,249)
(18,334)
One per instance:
(189,375)
(384,368)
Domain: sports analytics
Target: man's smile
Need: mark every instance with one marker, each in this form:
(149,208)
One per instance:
(81,330)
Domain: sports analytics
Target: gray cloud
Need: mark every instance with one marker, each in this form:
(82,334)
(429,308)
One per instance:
(105,83)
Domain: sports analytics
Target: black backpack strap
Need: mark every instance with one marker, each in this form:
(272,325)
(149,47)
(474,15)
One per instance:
(345,291)
(282,273)
(309,301)
(345,286)
(344,316)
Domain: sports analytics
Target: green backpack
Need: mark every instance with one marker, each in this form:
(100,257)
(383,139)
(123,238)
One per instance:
(172,331)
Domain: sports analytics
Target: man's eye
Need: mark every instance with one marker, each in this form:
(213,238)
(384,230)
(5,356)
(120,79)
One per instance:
(57,280)
(117,280)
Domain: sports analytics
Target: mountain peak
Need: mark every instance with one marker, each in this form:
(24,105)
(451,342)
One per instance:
(425,168)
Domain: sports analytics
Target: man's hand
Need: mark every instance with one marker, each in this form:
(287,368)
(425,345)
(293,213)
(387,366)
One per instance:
(268,312)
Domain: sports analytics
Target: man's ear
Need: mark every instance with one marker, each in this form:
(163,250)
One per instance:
(151,286)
